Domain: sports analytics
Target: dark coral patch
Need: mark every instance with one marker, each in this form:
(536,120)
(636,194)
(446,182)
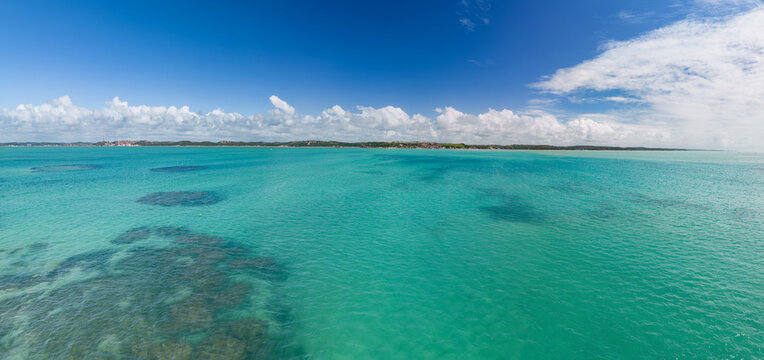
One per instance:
(231,296)
(372,172)
(133,235)
(234,249)
(264,262)
(38,246)
(151,303)
(251,331)
(17,282)
(665,202)
(181,198)
(65,168)
(176,350)
(92,260)
(221,347)
(510,207)
(513,211)
(191,315)
(745,214)
(171,231)
(199,239)
(178,168)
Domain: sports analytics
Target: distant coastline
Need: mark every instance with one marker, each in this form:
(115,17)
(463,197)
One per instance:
(338,144)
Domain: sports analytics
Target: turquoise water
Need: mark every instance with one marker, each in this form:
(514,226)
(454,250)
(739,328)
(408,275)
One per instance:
(379,254)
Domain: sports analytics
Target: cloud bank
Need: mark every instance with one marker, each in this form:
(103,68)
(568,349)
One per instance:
(698,83)
(701,80)
(62,120)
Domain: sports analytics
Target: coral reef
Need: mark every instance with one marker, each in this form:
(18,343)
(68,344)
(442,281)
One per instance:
(181,198)
(178,168)
(147,303)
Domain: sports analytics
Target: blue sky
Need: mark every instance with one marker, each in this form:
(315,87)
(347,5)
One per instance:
(416,56)
(233,55)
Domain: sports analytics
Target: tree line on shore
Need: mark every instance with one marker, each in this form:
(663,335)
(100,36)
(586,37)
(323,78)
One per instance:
(317,143)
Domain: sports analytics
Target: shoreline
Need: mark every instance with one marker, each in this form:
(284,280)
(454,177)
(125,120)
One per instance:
(335,144)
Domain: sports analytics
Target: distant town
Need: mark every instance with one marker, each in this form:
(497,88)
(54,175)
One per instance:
(317,143)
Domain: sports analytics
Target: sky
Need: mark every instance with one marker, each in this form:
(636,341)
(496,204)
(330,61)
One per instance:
(673,73)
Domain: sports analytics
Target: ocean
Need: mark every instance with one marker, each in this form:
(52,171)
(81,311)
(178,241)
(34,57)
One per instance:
(340,253)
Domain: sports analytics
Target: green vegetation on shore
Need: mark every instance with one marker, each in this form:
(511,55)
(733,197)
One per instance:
(315,143)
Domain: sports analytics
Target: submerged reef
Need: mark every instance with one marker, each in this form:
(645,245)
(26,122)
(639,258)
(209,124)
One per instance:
(178,168)
(745,214)
(175,300)
(433,168)
(89,261)
(665,202)
(92,261)
(132,235)
(571,188)
(17,282)
(170,231)
(38,246)
(198,239)
(510,207)
(61,168)
(181,198)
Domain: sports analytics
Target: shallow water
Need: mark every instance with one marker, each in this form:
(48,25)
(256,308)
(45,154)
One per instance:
(291,253)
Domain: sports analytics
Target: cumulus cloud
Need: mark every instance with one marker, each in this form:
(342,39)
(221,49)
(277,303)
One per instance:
(540,127)
(700,79)
(696,83)
(281,105)
(61,120)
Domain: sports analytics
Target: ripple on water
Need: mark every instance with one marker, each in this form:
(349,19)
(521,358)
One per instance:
(178,168)
(665,202)
(181,198)
(264,266)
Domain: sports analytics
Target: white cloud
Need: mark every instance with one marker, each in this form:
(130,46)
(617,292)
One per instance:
(621,99)
(281,105)
(61,120)
(696,83)
(540,127)
(702,80)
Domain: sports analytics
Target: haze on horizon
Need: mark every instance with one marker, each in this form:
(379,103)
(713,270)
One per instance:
(681,73)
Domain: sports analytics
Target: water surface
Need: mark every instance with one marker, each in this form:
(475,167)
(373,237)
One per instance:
(290,253)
